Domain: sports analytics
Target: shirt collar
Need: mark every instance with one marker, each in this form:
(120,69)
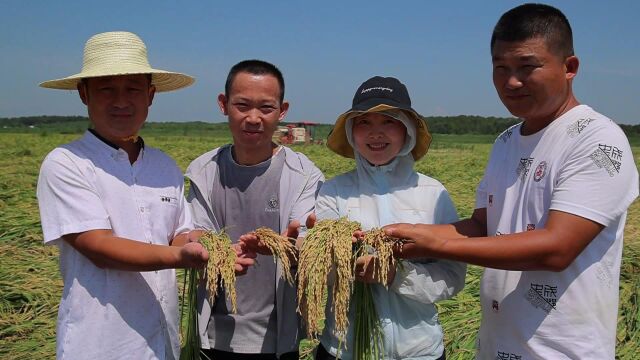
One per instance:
(107,142)
(95,140)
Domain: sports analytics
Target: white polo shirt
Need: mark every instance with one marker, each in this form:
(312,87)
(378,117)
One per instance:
(104,313)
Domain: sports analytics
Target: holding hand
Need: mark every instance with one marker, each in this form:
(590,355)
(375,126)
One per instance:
(368,268)
(251,242)
(193,255)
(245,258)
(418,240)
(194,235)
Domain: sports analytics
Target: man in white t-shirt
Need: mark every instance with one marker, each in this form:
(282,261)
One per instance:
(550,209)
(113,206)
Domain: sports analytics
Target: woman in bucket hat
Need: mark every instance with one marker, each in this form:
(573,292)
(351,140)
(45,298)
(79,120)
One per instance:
(113,205)
(386,136)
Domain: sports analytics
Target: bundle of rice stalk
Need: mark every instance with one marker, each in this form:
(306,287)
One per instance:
(221,266)
(281,247)
(190,338)
(368,336)
(219,269)
(382,245)
(327,243)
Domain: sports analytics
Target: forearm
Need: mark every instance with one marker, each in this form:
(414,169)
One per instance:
(552,248)
(528,251)
(108,251)
(474,226)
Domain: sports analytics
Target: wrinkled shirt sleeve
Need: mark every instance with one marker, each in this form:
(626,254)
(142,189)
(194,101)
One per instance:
(185,220)
(203,217)
(327,202)
(68,201)
(306,203)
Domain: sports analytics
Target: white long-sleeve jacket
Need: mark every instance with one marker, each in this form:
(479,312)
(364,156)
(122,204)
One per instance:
(380,195)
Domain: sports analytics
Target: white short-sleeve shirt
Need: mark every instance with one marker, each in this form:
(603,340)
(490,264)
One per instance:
(580,164)
(105,313)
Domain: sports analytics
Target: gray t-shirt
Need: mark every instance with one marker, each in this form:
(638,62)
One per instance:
(246,198)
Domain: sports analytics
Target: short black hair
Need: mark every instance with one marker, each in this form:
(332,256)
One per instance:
(255,67)
(530,21)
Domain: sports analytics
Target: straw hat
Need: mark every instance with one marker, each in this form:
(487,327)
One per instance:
(374,95)
(119,53)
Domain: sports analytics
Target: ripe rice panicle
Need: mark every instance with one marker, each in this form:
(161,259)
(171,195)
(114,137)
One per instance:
(368,336)
(281,247)
(382,245)
(221,266)
(220,269)
(327,243)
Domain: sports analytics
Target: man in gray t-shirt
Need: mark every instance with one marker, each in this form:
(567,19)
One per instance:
(241,187)
(246,198)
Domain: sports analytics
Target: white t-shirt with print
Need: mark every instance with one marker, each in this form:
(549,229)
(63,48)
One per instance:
(580,164)
(106,313)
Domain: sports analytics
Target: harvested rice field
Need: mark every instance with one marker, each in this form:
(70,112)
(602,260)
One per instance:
(30,284)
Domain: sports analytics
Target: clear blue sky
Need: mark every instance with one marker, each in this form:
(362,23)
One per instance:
(325,49)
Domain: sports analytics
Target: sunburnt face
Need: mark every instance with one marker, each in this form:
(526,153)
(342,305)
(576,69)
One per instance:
(378,138)
(532,82)
(117,105)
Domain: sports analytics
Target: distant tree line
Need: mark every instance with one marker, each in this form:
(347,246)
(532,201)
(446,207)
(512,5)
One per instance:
(462,124)
(40,120)
(469,124)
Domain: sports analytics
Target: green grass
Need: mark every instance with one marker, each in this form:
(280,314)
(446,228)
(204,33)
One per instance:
(30,284)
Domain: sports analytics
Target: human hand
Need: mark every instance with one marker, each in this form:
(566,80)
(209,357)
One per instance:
(358,236)
(244,259)
(192,255)
(293,229)
(368,268)
(251,243)
(311,220)
(194,235)
(417,240)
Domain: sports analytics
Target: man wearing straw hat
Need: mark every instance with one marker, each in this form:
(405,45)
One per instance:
(113,206)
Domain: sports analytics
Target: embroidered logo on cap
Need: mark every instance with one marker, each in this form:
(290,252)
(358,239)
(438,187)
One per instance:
(376,88)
